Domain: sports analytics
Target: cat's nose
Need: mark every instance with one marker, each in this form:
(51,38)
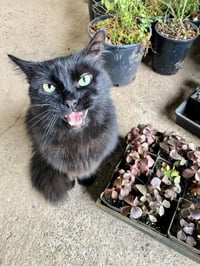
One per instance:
(71,104)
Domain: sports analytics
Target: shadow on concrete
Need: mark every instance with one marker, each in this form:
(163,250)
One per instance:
(186,89)
(105,172)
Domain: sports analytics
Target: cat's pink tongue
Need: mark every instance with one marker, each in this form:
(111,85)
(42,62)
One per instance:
(75,118)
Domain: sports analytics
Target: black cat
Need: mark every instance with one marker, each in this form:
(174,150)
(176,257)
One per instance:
(71,119)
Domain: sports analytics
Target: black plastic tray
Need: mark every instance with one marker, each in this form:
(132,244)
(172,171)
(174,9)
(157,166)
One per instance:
(179,247)
(184,115)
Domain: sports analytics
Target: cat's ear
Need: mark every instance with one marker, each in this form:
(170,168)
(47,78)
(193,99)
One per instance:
(27,67)
(97,44)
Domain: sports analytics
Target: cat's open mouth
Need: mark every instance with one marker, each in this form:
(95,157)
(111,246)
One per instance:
(76,119)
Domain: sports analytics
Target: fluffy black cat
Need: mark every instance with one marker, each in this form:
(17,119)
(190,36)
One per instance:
(71,119)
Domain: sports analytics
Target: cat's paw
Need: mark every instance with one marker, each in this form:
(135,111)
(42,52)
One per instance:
(54,188)
(50,182)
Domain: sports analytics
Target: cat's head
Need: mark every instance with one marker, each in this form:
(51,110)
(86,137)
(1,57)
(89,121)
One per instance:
(69,87)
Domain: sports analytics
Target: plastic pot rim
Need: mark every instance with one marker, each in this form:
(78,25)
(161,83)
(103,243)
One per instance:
(176,40)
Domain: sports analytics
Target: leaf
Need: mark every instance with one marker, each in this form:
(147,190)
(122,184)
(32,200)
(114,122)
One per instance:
(181,235)
(191,241)
(142,189)
(195,214)
(166,180)
(191,155)
(184,213)
(164,146)
(174,173)
(126,175)
(197,175)
(121,171)
(150,161)
(109,5)
(166,203)
(136,212)
(188,173)
(183,161)
(143,199)
(114,195)
(183,223)
(152,218)
(188,230)
(136,201)
(191,146)
(123,193)
(108,193)
(125,210)
(177,180)
(177,188)
(155,182)
(170,194)
(145,146)
(157,196)
(175,155)
(144,165)
(129,199)
(153,205)
(161,210)
(117,182)
(196,190)
(134,170)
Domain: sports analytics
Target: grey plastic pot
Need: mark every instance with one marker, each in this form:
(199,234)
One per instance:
(121,61)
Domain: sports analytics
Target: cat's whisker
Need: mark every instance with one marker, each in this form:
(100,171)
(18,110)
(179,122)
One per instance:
(50,126)
(38,115)
(48,130)
(39,118)
(39,105)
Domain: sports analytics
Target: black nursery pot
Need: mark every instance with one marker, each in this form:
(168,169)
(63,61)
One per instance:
(169,54)
(121,61)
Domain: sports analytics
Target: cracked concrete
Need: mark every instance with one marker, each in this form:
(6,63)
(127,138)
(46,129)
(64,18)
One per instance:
(33,232)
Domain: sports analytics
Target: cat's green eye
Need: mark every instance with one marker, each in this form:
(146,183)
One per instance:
(85,79)
(49,88)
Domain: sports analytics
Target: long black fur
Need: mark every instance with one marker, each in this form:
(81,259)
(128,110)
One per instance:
(61,153)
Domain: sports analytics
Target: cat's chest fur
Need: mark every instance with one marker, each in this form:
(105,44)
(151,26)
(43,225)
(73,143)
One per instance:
(79,152)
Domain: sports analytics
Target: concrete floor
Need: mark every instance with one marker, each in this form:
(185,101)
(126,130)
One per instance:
(32,232)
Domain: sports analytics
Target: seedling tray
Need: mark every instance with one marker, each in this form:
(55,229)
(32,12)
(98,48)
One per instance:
(179,247)
(160,230)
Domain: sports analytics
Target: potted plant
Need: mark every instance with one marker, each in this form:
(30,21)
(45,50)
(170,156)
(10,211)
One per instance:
(127,27)
(96,8)
(173,38)
(156,170)
(155,8)
(193,11)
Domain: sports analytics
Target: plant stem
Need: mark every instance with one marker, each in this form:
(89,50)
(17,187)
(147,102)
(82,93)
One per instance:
(183,10)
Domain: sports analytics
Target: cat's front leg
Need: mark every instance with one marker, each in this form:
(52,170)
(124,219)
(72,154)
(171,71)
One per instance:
(86,181)
(52,183)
